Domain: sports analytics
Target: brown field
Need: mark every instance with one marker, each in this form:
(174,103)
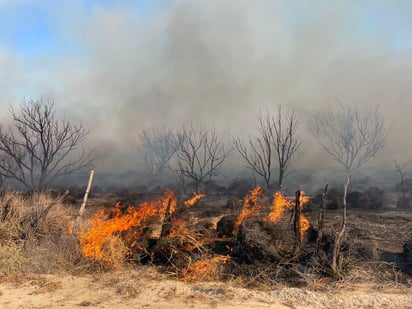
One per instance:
(42,265)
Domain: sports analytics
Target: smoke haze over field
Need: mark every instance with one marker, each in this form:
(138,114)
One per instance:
(118,66)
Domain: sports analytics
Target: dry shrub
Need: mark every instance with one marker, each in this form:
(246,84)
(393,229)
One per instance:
(34,235)
(115,251)
(30,217)
(12,259)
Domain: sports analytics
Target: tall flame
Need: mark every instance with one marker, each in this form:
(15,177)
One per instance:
(280,204)
(304,222)
(102,230)
(304,225)
(250,207)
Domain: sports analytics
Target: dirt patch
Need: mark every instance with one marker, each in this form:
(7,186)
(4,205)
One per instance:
(144,287)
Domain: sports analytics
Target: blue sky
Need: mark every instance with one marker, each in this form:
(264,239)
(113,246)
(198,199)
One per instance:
(29,27)
(32,27)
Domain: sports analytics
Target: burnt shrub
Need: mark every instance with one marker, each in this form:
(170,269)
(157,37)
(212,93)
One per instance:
(372,198)
(334,199)
(407,251)
(356,199)
(212,187)
(404,202)
(314,203)
(226,226)
(234,204)
(205,228)
(239,187)
(265,241)
(360,245)
(376,197)
(406,186)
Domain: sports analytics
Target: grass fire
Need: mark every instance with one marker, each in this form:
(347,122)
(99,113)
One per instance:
(259,240)
(135,227)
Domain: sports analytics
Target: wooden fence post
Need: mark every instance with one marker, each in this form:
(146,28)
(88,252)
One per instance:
(83,206)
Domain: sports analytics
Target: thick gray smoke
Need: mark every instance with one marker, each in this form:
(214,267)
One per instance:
(217,63)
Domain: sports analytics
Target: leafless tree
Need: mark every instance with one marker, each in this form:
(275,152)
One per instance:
(285,142)
(276,143)
(158,148)
(401,168)
(403,201)
(200,154)
(258,154)
(37,147)
(350,136)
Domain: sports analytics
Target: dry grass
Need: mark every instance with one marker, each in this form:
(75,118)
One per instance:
(34,236)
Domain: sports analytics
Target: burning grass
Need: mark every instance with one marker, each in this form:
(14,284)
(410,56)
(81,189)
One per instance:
(261,234)
(258,246)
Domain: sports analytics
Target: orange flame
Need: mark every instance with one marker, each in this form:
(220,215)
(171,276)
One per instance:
(278,206)
(280,203)
(168,198)
(304,225)
(201,268)
(250,206)
(102,230)
(180,231)
(193,200)
(304,222)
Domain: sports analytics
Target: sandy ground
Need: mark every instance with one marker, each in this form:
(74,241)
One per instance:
(144,289)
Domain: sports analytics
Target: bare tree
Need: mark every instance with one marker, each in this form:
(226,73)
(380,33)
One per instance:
(38,147)
(403,201)
(258,154)
(158,149)
(199,154)
(285,142)
(351,137)
(277,141)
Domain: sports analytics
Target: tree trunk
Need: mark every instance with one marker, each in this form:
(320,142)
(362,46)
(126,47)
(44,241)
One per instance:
(321,218)
(280,179)
(298,221)
(167,222)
